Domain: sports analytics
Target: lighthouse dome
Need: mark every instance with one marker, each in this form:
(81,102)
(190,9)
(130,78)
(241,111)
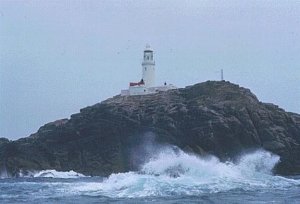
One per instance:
(148,48)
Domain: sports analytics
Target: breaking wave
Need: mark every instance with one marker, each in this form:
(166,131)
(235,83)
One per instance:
(174,172)
(43,174)
(167,172)
(57,174)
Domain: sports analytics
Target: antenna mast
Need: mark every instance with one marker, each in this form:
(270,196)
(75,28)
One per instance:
(222,75)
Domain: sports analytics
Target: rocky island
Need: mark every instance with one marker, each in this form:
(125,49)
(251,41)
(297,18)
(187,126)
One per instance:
(218,118)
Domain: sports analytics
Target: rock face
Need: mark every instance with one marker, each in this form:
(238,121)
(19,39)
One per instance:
(216,118)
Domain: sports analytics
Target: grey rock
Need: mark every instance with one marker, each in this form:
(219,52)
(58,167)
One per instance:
(218,118)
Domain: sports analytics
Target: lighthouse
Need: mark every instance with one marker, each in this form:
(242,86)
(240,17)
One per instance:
(146,85)
(148,66)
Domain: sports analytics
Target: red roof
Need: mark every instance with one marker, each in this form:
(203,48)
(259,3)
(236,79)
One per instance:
(136,84)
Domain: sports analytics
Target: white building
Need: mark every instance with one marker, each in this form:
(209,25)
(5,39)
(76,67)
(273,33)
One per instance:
(148,66)
(147,84)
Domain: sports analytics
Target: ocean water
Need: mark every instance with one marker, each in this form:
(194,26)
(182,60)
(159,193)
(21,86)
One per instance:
(168,176)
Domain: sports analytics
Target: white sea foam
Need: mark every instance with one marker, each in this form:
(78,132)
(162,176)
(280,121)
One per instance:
(4,173)
(171,172)
(174,172)
(43,174)
(57,174)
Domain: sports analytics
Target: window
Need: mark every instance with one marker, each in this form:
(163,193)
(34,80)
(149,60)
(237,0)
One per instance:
(147,57)
(145,68)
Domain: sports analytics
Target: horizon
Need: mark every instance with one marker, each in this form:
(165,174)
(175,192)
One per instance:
(57,57)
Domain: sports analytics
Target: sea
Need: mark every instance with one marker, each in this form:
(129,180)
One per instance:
(169,176)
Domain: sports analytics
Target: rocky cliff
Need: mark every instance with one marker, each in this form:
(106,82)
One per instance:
(218,118)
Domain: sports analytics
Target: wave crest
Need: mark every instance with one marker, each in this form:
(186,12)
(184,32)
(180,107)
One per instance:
(57,174)
(50,173)
(174,172)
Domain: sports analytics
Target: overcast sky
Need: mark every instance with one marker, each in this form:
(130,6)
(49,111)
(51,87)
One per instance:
(59,56)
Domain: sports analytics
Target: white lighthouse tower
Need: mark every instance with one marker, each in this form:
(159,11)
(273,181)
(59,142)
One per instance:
(148,66)
(147,84)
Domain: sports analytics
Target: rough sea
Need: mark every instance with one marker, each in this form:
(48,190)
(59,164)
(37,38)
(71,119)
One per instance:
(169,176)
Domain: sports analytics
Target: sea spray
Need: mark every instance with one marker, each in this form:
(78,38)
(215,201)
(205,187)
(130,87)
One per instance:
(57,174)
(258,161)
(169,175)
(49,173)
(4,173)
(144,149)
(174,172)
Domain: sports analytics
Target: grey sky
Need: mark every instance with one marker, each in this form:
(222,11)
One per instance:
(59,56)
